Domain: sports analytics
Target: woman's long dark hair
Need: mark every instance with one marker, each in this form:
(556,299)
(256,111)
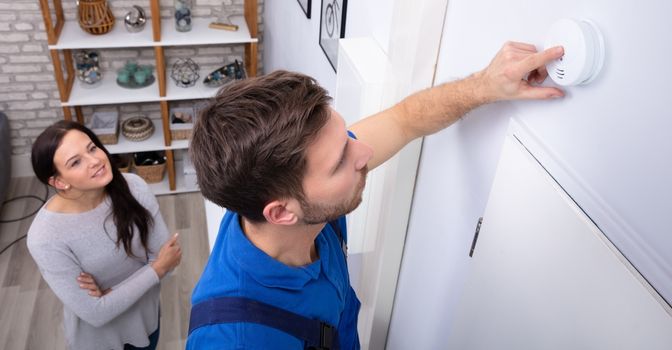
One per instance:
(126,211)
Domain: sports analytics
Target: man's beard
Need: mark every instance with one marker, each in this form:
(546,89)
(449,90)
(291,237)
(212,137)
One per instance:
(317,213)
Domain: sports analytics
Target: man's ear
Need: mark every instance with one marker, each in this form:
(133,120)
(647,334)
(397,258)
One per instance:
(277,212)
(58,184)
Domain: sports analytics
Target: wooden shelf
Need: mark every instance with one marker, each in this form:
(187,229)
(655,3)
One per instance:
(198,91)
(154,143)
(73,37)
(109,92)
(200,34)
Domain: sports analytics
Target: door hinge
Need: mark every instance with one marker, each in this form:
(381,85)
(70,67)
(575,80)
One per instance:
(473,243)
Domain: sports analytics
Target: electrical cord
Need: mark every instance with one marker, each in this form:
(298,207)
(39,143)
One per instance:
(30,196)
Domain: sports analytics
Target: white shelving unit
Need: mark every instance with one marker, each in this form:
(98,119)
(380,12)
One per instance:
(65,36)
(109,92)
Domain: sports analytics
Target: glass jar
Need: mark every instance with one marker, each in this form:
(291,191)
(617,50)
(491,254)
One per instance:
(88,67)
(183,15)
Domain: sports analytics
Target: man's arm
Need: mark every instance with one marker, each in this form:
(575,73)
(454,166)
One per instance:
(509,76)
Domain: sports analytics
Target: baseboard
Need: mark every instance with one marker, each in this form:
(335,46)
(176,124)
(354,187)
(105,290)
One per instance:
(21,166)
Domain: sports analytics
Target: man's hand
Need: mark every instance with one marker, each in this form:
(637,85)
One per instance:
(514,70)
(86,281)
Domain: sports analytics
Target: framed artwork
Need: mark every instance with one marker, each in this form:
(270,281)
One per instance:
(332,28)
(305,5)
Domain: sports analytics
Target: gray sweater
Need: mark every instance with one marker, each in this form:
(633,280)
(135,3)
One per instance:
(64,245)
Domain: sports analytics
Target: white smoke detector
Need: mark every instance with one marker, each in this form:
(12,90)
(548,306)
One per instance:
(584,52)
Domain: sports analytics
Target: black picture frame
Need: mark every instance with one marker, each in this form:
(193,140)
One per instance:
(332,28)
(305,6)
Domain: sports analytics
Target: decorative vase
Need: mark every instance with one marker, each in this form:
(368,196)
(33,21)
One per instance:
(95,16)
(183,15)
(135,19)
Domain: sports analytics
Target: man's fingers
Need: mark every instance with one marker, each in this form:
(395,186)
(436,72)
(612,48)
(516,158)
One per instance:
(538,76)
(523,46)
(540,93)
(540,59)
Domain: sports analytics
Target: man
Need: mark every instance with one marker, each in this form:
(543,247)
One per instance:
(282,162)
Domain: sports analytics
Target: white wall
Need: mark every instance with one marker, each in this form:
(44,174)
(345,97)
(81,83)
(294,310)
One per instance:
(606,143)
(291,41)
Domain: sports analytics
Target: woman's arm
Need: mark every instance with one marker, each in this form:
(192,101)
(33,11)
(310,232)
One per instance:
(60,269)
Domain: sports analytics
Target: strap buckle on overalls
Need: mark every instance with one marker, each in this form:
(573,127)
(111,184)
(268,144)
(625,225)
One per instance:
(327,336)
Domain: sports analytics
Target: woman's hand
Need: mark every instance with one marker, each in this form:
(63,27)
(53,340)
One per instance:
(86,281)
(169,257)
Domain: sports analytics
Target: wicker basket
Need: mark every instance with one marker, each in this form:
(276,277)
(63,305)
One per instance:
(109,139)
(180,134)
(150,173)
(137,128)
(95,16)
(106,126)
(181,131)
(122,161)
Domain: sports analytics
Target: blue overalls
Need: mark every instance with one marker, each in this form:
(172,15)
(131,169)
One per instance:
(319,291)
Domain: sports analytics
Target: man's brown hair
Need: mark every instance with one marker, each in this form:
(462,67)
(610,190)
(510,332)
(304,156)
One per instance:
(249,144)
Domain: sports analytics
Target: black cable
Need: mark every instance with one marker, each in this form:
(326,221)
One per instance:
(11,244)
(46,196)
(27,216)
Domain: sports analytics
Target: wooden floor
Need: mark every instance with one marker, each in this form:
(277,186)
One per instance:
(31,315)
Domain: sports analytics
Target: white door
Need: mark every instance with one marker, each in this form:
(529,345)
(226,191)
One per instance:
(543,276)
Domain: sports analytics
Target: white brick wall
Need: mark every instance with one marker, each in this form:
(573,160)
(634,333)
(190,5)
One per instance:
(28,92)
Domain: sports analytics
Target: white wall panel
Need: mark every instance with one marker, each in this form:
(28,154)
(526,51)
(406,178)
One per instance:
(608,144)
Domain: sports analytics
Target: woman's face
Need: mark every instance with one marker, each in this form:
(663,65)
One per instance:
(81,165)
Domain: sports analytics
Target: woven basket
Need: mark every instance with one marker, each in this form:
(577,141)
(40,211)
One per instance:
(137,128)
(122,161)
(106,126)
(180,134)
(181,122)
(125,169)
(108,139)
(150,173)
(95,16)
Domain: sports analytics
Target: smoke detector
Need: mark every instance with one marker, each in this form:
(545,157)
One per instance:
(584,51)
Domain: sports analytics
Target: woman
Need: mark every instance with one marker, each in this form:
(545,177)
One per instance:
(100,242)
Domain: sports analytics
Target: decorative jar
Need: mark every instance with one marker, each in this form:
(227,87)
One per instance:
(183,15)
(87,64)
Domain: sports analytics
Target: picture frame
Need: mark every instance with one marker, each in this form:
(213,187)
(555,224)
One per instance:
(305,6)
(332,28)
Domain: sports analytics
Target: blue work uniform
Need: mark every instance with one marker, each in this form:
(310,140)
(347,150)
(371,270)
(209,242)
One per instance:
(320,290)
